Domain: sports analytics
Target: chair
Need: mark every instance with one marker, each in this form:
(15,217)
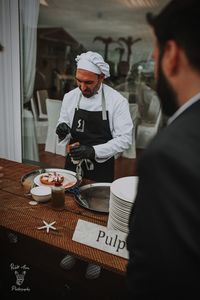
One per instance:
(153,109)
(53,112)
(40,125)
(42,95)
(131,152)
(147,129)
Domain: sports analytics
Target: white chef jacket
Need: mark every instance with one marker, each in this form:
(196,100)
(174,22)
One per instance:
(120,121)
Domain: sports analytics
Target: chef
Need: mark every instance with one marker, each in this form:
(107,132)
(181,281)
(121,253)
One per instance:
(97,117)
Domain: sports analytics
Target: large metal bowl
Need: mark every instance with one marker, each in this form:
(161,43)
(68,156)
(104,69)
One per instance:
(94,196)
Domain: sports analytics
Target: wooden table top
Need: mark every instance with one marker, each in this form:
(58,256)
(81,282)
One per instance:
(18,215)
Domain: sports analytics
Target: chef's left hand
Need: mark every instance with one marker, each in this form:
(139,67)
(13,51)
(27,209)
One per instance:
(82,152)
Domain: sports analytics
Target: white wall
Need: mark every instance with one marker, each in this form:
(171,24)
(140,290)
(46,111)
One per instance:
(10,107)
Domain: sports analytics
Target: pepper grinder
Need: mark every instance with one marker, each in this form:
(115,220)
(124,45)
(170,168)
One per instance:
(69,147)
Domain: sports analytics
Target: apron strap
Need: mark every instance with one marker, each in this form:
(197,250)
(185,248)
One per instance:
(79,100)
(103,104)
(104,115)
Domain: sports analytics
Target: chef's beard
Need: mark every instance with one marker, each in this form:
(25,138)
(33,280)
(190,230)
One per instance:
(88,93)
(166,93)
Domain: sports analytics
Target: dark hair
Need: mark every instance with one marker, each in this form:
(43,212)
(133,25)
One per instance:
(180,21)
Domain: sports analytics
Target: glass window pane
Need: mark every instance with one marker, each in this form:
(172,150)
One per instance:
(117,29)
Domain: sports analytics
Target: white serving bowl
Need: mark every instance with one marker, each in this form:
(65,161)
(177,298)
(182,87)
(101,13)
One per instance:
(41,193)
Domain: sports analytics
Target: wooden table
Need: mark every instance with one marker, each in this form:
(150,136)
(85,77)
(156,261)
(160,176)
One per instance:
(18,216)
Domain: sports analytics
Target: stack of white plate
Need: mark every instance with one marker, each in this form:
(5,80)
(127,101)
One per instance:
(122,196)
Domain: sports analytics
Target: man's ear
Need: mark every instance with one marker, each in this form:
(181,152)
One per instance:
(102,76)
(170,62)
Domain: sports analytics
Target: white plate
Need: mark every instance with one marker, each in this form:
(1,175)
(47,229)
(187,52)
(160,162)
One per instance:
(125,188)
(69,176)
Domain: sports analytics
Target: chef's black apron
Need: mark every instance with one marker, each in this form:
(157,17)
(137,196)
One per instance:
(92,128)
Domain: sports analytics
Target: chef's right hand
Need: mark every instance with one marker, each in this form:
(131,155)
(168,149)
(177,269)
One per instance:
(62,130)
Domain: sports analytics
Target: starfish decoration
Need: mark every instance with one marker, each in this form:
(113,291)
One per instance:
(47,226)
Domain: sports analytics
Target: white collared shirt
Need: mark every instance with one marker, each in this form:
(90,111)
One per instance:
(183,108)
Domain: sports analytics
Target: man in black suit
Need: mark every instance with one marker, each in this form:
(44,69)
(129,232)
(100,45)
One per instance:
(164,226)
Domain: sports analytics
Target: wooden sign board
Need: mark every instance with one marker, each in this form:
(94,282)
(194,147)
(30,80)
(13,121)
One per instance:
(100,237)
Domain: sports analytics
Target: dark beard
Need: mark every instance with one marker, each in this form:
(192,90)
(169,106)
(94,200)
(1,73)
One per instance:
(166,94)
(88,93)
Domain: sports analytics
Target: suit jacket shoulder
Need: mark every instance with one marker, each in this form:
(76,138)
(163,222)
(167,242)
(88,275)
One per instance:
(164,225)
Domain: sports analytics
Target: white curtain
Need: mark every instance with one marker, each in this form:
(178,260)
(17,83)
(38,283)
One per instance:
(29,12)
